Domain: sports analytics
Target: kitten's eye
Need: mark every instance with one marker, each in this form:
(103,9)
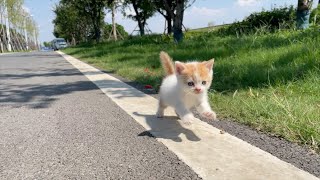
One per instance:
(190,84)
(204,82)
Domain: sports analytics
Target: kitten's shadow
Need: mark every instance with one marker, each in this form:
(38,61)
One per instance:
(167,127)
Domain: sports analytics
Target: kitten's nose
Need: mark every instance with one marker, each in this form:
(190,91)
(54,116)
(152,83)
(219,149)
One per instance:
(197,89)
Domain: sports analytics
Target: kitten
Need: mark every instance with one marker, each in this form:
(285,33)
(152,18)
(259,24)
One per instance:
(186,86)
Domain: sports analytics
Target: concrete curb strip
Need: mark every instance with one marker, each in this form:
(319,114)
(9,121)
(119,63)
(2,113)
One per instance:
(211,154)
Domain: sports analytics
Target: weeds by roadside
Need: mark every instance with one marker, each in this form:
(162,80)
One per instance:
(270,81)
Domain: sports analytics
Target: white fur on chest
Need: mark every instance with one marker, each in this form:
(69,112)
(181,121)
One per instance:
(171,94)
(192,100)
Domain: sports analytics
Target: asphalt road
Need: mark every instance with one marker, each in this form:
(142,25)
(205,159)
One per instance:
(55,123)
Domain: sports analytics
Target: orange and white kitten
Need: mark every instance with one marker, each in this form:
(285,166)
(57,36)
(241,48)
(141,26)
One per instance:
(186,86)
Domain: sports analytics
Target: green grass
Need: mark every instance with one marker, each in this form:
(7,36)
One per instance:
(270,82)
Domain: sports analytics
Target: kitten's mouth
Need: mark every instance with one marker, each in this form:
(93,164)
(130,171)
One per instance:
(197,92)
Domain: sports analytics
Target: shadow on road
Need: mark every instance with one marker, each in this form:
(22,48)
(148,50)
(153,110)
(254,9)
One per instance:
(42,55)
(51,73)
(40,96)
(166,128)
(27,80)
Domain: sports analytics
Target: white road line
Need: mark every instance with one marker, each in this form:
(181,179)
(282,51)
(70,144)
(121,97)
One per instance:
(201,146)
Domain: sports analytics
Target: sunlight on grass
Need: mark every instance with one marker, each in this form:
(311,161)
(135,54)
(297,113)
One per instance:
(270,82)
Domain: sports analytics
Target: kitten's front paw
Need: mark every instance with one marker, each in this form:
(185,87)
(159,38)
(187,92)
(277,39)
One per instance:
(209,115)
(187,120)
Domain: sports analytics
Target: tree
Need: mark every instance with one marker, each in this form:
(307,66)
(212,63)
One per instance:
(175,9)
(94,9)
(90,12)
(303,13)
(113,5)
(166,12)
(108,28)
(144,9)
(79,20)
(47,44)
(114,27)
(69,24)
(19,24)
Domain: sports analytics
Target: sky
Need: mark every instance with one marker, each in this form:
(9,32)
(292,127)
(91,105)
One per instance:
(198,15)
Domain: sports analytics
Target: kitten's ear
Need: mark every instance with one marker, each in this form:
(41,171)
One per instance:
(209,64)
(179,67)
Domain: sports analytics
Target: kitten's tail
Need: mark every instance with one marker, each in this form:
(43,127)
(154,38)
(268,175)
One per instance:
(167,63)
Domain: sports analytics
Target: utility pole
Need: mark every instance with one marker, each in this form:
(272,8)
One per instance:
(7,27)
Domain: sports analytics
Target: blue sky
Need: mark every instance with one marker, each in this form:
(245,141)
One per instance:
(198,15)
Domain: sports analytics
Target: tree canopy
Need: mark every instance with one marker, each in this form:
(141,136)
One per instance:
(21,25)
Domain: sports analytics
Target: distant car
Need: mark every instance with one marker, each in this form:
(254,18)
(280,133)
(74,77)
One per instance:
(59,43)
(44,48)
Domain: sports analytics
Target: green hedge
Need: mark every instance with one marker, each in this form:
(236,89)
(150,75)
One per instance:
(265,21)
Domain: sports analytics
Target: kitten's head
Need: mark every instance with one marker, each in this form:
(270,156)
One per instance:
(195,77)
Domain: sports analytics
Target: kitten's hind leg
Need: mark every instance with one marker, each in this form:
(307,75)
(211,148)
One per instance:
(161,107)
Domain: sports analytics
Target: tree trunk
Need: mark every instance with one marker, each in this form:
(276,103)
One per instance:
(25,34)
(73,40)
(96,25)
(303,13)
(96,32)
(169,22)
(1,47)
(177,21)
(141,24)
(141,27)
(7,27)
(169,15)
(19,44)
(114,27)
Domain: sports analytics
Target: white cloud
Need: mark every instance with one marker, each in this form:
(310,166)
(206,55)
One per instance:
(198,17)
(203,11)
(246,3)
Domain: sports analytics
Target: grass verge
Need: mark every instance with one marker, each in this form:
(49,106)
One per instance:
(270,82)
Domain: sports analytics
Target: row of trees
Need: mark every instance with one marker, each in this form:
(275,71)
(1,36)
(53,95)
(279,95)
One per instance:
(18,30)
(82,20)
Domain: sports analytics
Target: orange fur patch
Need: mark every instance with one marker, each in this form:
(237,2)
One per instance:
(193,69)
